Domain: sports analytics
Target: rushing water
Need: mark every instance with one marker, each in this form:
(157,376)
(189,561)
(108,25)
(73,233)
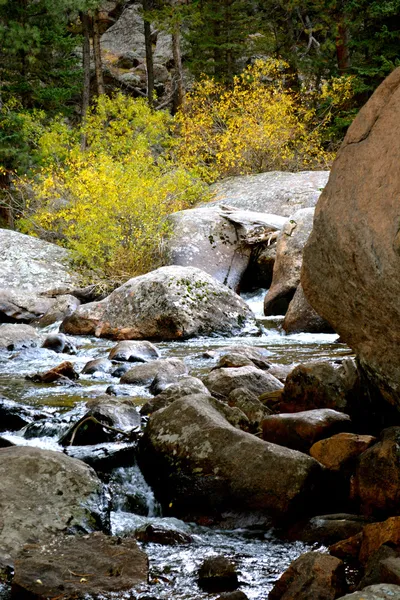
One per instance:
(259,556)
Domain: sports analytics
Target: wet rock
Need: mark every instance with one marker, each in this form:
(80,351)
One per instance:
(59,343)
(93,565)
(301,430)
(350,263)
(14,416)
(134,351)
(215,239)
(17,337)
(63,306)
(194,458)
(224,381)
(277,192)
(63,371)
(121,370)
(98,365)
(289,256)
(257,355)
(301,317)
(382,591)
(104,458)
(376,482)
(5,444)
(106,420)
(31,264)
(320,385)
(238,595)
(313,575)
(347,549)
(382,567)
(375,535)
(330,529)
(168,368)
(217,574)
(340,451)
(153,534)
(44,493)
(168,303)
(280,371)
(250,405)
(186,386)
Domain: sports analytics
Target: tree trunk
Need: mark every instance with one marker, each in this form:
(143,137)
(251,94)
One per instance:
(179,94)
(342,46)
(85,19)
(147,5)
(97,53)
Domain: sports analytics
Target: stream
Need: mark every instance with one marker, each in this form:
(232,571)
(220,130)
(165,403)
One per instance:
(260,557)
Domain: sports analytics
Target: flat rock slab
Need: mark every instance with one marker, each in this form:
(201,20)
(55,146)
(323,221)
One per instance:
(277,192)
(72,567)
(43,493)
(31,264)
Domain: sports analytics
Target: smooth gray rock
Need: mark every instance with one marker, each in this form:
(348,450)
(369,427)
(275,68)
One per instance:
(223,381)
(277,192)
(169,369)
(134,351)
(16,337)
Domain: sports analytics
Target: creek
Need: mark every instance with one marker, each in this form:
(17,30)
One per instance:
(259,555)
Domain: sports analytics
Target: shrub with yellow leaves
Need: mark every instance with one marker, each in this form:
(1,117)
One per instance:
(258,124)
(107,198)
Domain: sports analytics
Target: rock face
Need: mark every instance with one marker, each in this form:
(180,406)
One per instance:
(96,565)
(352,259)
(169,303)
(194,460)
(43,493)
(312,576)
(31,264)
(289,257)
(218,240)
(276,192)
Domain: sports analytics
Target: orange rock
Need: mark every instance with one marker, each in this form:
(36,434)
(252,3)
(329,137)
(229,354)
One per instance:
(346,549)
(339,451)
(377,534)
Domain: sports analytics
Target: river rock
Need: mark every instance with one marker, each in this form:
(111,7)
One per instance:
(62,306)
(44,493)
(59,343)
(277,192)
(300,316)
(168,303)
(218,240)
(61,372)
(302,429)
(340,451)
(217,574)
(382,567)
(382,591)
(249,404)
(241,359)
(223,381)
(289,256)
(153,534)
(186,386)
(98,365)
(134,351)
(329,529)
(320,385)
(17,337)
(15,416)
(144,374)
(82,566)
(353,255)
(374,535)
(312,576)
(21,306)
(194,458)
(376,482)
(257,355)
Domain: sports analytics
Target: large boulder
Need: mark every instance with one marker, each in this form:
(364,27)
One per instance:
(169,303)
(194,459)
(44,493)
(277,192)
(352,259)
(301,317)
(340,451)
(289,257)
(33,265)
(218,240)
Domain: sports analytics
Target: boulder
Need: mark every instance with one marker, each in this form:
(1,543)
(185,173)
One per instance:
(14,416)
(21,306)
(168,303)
(224,380)
(242,358)
(134,351)
(153,534)
(257,355)
(374,535)
(352,259)
(17,337)
(340,451)
(302,429)
(347,549)
(169,368)
(98,365)
(59,343)
(320,385)
(376,482)
(310,577)
(218,240)
(62,306)
(61,372)
(277,192)
(186,386)
(329,529)
(83,566)
(300,316)
(217,574)
(44,493)
(250,405)
(382,591)
(33,265)
(382,567)
(194,458)
(289,257)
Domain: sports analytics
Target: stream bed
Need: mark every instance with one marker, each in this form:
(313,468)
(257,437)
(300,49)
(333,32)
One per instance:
(260,556)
